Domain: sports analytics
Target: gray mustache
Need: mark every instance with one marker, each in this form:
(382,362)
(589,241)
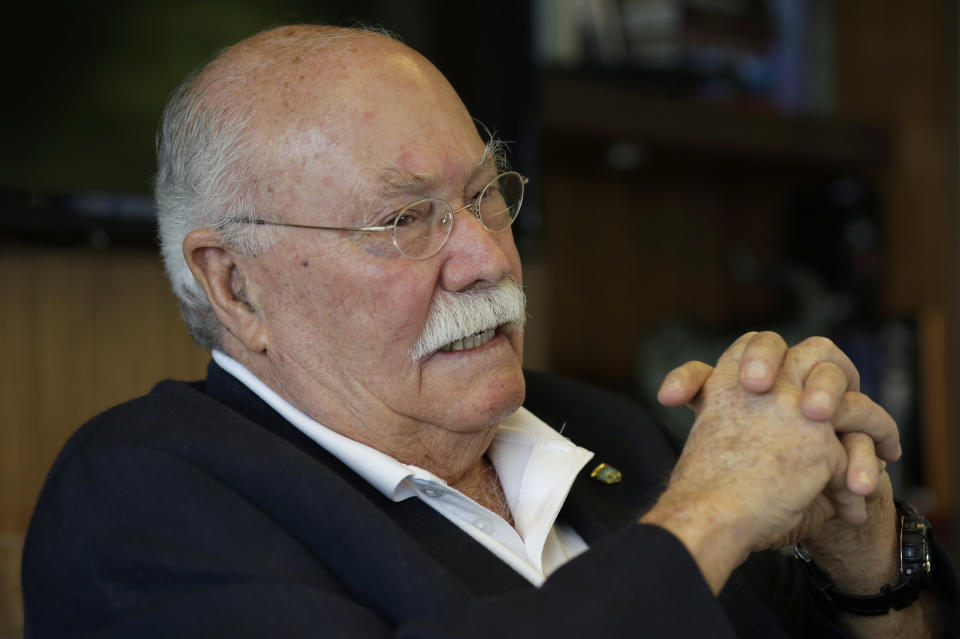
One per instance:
(453,316)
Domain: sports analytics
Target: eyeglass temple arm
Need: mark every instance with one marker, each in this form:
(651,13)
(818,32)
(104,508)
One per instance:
(250,220)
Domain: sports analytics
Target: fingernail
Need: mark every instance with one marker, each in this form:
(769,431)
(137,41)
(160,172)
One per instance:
(757,371)
(865,478)
(819,399)
(667,389)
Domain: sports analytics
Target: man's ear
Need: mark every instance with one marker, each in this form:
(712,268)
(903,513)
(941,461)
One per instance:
(216,269)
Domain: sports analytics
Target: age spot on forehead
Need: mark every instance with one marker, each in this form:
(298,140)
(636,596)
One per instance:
(305,263)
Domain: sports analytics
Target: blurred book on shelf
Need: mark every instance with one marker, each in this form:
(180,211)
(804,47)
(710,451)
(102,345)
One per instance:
(775,54)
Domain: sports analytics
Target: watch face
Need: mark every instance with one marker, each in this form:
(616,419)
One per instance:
(914,546)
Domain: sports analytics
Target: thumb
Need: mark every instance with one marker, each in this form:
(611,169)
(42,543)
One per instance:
(683,383)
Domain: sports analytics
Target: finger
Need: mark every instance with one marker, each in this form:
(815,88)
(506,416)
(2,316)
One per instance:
(863,467)
(849,506)
(803,357)
(761,360)
(729,360)
(734,352)
(858,413)
(683,383)
(823,391)
(681,390)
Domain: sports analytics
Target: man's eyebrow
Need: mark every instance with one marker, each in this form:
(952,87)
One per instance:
(394,180)
(488,161)
(493,153)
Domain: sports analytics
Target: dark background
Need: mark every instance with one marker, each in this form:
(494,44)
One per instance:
(85,85)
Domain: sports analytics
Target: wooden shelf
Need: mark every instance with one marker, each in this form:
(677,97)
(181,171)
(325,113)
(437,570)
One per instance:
(596,112)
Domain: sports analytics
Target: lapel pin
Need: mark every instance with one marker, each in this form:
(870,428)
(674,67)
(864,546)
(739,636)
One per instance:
(606,474)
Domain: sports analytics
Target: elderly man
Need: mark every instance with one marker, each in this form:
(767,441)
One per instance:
(357,462)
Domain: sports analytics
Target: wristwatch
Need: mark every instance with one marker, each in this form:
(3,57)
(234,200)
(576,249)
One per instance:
(915,571)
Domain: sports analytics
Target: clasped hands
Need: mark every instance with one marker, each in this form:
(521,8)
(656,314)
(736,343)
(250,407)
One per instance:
(783,443)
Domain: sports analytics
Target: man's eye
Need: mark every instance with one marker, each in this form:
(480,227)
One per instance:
(413,214)
(404,219)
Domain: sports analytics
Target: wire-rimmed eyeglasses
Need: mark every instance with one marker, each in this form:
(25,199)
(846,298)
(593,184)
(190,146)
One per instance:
(421,229)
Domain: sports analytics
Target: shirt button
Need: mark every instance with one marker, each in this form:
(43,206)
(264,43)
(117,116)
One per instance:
(483,524)
(432,492)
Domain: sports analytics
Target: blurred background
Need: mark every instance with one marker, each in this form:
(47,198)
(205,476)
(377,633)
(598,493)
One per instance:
(698,168)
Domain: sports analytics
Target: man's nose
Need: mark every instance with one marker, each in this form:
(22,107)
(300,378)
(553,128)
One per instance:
(473,254)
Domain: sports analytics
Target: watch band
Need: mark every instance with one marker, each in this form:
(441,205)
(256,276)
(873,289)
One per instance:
(915,571)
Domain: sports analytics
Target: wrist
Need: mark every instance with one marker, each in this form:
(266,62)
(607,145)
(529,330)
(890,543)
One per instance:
(712,537)
(913,573)
(860,559)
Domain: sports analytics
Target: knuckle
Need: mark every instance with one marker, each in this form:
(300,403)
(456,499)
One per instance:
(745,340)
(819,342)
(774,337)
(787,400)
(857,442)
(700,366)
(857,405)
(828,373)
(870,414)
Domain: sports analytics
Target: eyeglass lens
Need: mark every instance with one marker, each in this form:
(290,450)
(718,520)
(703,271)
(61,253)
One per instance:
(422,228)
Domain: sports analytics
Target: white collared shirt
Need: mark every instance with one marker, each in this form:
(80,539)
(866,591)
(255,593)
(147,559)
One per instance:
(536,466)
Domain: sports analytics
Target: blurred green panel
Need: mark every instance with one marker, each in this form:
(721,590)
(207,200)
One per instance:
(91,80)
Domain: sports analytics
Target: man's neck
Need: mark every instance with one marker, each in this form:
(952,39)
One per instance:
(456,457)
(482,485)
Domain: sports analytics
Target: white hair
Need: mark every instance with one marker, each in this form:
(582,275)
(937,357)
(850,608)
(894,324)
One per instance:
(205,177)
(454,315)
(210,167)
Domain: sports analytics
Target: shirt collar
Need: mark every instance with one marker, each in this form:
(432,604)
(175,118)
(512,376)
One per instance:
(524,449)
(382,471)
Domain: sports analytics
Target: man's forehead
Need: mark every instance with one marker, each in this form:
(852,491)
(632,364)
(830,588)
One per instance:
(361,123)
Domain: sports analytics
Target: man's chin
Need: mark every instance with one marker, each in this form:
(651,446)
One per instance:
(500,395)
(470,399)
